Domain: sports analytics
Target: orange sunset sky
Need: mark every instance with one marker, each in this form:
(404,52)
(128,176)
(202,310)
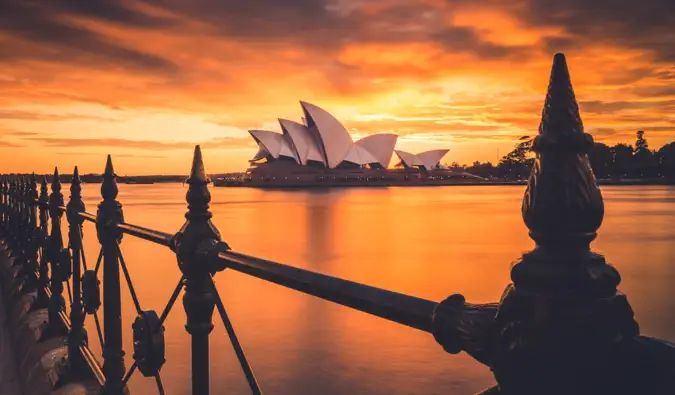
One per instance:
(145,80)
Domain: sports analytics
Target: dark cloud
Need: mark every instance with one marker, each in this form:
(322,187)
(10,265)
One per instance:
(62,41)
(465,39)
(646,24)
(667,75)
(106,10)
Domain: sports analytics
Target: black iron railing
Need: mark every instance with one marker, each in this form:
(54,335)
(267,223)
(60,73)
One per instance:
(561,327)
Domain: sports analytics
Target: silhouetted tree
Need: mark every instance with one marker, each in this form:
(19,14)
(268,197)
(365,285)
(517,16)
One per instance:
(622,155)
(517,164)
(601,159)
(666,160)
(644,163)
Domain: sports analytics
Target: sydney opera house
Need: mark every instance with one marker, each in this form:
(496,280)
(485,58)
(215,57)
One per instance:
(320,151)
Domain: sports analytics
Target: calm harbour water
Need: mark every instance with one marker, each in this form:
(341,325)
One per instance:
(428,242)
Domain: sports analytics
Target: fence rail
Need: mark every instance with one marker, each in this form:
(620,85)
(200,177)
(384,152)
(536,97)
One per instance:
(561,327)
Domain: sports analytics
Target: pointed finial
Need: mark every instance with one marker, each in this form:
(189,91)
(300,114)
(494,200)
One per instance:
(75,204)
(44,192)
(56,197)
(56,181)
(75,186)
(561,127)
(198,195)
(562,205)
(33,187)
(109,188)
(22,185)
(109,171)
(197,173)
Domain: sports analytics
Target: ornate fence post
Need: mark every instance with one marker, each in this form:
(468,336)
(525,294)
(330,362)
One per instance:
(43,205)
(13,207)
(562,316)
(73,209)
(2,203)
(197,235)
(23,218)
(10,210)
(55,247)
(32,234)
(108,216)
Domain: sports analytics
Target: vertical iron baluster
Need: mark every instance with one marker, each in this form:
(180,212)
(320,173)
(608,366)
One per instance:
(2,203)
(198,301)
(76,335)
(55,246)
(32,233)
(108,216)
(43,204)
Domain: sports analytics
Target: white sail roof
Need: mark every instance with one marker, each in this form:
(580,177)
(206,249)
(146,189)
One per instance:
(274,143)
(302,142)
(333,140)
(426,159)
(262,152)
(381,146)
(360,155)
(407,159)
(430,159)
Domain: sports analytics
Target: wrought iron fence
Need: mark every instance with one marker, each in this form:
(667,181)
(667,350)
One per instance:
(561,327)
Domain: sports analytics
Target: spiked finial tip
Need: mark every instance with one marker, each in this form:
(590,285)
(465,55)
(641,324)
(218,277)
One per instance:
(198,173)
(109,171)
(56,172)
(76,172)
(561,126)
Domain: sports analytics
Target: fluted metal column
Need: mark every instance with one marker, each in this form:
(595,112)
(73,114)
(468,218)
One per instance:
(108,216)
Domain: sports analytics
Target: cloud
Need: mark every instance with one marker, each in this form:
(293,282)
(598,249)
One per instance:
(80,153)
(643,25)
(39,116)
(41,34)
(9,144)
(603,132)
(221,142)
(609,107)
(464,39)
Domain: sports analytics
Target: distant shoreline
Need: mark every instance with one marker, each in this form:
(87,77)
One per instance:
(150,180)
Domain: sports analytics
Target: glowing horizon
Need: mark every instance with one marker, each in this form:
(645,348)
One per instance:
(146,80)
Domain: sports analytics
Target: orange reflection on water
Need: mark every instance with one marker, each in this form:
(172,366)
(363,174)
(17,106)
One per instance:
(428,242)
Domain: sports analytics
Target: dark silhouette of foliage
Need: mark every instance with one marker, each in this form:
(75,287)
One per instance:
(621,161)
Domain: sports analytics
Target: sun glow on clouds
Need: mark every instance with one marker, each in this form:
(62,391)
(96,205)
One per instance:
(145,80)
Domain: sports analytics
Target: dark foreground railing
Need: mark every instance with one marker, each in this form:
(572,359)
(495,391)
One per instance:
(560,328)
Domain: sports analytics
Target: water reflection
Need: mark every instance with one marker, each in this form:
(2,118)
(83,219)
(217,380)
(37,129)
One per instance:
(428,242)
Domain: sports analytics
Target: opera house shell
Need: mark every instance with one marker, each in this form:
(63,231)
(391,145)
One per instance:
(322,148)
(322,141)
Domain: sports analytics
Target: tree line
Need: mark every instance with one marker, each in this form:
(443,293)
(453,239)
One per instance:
(620,161)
